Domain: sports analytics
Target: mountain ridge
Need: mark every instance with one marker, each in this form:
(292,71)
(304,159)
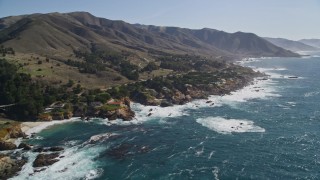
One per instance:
(311,42)
(65,32)
(291,45)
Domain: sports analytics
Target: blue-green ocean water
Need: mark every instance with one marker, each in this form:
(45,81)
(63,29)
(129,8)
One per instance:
(270,130)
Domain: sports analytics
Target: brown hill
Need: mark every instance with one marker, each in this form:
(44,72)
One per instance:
(57,34)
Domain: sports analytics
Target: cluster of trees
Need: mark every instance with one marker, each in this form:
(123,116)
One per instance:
(29,98)
(86,67)
(151,66)
(177,65)
(98,61)
(18,88)
(185,63)
(129,70)
(4,51)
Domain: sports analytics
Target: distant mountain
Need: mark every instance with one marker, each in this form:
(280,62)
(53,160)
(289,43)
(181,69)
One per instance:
(291,45)
(57,34)
(311,42)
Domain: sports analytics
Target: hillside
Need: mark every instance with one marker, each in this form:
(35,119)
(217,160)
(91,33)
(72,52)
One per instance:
(99,53)
(60,34)
(311,42)
(82,60)
(291,45)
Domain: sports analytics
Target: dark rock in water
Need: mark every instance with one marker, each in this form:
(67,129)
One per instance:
(292,77)
(149,114)
(150,110)
(45,159)
(120,152)
(53,149)
(209,102)
(39,170)
(165,104)
(40,149)
(7,146)
(9,167)
(25,146)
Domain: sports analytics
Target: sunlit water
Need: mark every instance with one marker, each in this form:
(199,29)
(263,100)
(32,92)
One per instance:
(269,130)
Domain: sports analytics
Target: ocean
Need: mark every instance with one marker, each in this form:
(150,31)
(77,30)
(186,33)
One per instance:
(268,130)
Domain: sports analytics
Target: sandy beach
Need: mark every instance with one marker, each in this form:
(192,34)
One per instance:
(34,127)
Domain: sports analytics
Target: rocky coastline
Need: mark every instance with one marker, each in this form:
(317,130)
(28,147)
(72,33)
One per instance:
(12,160)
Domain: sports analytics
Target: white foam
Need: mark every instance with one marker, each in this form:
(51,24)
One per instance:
(215,172)
(259,89)
(100,137)
(77,163)
(310,94)
(145,113)
(228,126)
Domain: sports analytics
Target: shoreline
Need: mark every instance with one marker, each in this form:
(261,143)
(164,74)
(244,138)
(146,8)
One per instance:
(30,128)
(33,127)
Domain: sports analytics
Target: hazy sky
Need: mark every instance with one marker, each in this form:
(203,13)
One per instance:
(292,19)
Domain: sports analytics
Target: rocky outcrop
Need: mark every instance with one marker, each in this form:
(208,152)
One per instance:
(57,116)
(25,146)
(50,149)
(178,98)
(9,167)
(45,117)
(11,130)
(67,115)
(165,103)
(45,159)
(124,113)
(55,148)
(16,132)
(7,146)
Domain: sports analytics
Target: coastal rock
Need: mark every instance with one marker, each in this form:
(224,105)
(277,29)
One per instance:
(120,152)
(188,98)
(57,116)
(68,115)
(127,102)
(123,112)
(178,98)
(11,130)
(54,149)
(9,167)
(196,93)
(45,117)
(39,149)
(7,146)
(45,159)
(165,103)
(16,132)
(25,146)
(126,114)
